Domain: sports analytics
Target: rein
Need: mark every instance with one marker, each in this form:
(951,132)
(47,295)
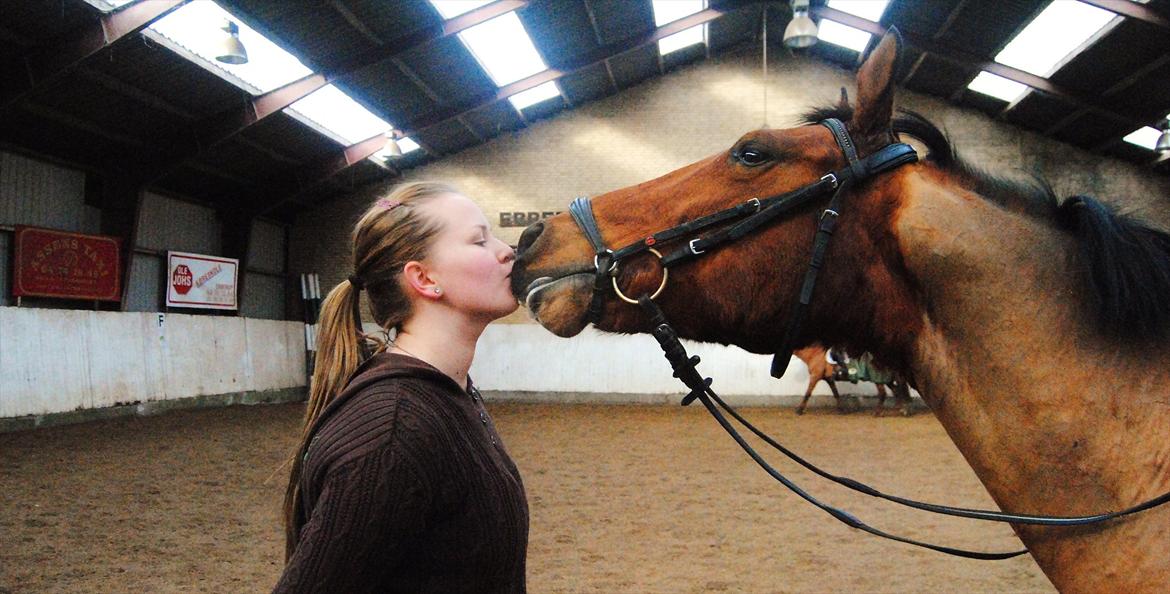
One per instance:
(756,213)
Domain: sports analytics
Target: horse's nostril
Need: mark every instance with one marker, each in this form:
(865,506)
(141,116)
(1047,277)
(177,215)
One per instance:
(528,237)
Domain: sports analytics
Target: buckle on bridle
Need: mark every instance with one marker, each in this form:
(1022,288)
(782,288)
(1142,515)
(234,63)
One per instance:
(829,177)
(612,262)
(829,212)
(754,202)
(694,250)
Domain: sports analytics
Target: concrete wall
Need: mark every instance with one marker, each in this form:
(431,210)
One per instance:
(55,361)
(652,129)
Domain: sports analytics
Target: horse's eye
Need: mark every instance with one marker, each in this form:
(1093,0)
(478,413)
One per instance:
(751,156)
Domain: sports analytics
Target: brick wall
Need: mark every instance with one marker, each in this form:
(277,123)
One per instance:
(690,113)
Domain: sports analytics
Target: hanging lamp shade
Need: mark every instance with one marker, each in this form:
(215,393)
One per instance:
(231,51)
(392,149)
(1163,144)
(801,31)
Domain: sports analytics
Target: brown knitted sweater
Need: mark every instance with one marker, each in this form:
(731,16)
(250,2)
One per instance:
(407,487)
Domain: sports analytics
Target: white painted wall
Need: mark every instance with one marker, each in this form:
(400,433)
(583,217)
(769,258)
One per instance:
(62,360)
(526,362)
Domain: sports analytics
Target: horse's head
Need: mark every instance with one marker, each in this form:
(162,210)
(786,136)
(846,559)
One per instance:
(740,292)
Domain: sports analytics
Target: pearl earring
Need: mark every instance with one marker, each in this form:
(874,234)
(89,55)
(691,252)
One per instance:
(438,290)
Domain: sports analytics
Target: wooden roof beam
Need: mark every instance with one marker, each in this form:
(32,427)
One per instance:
(1132,10)
(319,173)
(47,64)
(974,62)
(600,55)
(200,137)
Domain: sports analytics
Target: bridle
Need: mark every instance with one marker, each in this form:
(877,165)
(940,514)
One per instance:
(749,217)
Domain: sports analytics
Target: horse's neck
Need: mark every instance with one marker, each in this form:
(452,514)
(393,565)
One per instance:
(1052,419)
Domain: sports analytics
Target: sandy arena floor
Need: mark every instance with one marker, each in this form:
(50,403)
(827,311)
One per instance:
(633,499)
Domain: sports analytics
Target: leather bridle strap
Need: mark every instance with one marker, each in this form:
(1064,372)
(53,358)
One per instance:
(755,213)
(825,226)
(685,368)
(603,260)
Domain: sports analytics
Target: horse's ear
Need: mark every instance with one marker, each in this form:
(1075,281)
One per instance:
(843,102)
(875,90)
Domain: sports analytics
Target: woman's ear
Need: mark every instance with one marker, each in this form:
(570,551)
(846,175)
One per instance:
(419,282)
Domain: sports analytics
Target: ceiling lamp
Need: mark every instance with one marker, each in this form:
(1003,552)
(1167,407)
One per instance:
(231,51)
(1163,144)
(801,31)
(392,149)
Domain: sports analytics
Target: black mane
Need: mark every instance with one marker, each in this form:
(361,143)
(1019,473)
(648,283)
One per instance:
(1124,261)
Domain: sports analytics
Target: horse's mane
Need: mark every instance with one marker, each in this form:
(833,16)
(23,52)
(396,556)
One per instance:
(1125,261)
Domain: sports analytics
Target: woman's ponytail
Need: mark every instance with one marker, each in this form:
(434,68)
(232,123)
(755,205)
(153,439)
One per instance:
(390,234)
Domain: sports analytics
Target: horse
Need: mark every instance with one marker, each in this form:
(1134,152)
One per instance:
(820,369)
(948,273)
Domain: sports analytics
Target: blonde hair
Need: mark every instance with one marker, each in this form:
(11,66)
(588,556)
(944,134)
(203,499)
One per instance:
(391,233)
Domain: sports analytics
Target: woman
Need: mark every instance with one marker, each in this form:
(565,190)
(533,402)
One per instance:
(401,483)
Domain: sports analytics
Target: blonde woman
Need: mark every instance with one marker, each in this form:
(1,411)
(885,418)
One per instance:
(401,482)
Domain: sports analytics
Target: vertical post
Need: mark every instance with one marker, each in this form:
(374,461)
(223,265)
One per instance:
(311,301)
(237,234)
(122,217)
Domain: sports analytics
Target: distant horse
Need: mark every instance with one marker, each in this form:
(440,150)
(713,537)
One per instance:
(949,274)
(821,369)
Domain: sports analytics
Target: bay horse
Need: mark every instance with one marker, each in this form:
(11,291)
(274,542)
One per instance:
(820,369)
(949,273)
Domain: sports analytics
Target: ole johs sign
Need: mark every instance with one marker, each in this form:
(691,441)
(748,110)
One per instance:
(51,263)
(195,280)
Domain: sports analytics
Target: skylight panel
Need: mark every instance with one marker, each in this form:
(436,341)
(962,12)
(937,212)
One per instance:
(449,9)
(997,86)
(668,11)
(504,49)
(843,35)
(1054,36)
(1145,137)
(870,10)
(108,5)
(345,119)
(535,95)
(407,145)
(194,29)
(684,38)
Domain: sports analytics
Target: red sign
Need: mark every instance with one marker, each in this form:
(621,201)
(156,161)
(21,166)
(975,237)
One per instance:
(182,279)
(67,265)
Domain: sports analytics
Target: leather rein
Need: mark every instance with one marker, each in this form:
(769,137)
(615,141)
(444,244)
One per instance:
(749,217)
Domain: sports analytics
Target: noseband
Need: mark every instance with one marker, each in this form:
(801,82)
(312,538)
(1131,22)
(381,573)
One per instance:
(751,216)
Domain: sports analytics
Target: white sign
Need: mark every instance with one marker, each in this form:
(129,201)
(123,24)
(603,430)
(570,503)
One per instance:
(195,280)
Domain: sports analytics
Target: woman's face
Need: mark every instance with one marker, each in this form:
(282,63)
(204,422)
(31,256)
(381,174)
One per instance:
(470,265)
